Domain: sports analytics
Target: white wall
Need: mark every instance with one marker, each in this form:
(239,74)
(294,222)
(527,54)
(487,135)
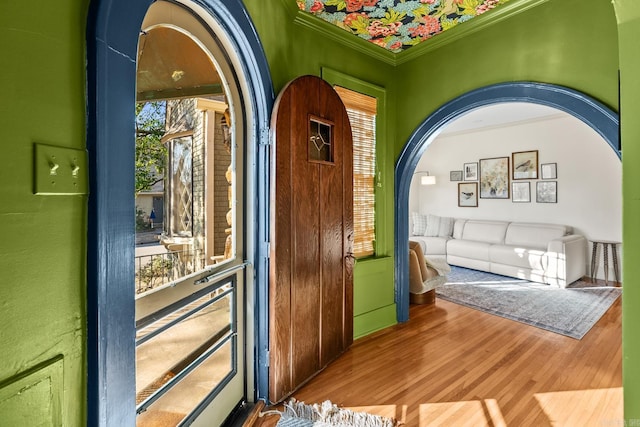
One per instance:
(589,176)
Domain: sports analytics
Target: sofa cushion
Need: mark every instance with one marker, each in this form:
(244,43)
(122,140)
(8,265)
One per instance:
(485,231)
(530,235)
(458,226)
(446,227)
(516,256)
(433,226)
(432,245)
(468,249)
(419,224)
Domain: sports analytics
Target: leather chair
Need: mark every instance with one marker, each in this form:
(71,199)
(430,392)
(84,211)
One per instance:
(422,278)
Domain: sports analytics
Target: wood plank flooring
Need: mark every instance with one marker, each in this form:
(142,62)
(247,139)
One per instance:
(455,366)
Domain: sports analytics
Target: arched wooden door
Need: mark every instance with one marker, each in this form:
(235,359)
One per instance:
(311,272)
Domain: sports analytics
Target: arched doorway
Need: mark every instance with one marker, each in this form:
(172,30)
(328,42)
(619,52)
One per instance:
(599,117)
(113,33)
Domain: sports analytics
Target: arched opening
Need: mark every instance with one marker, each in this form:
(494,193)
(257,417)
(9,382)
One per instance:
(113,36)
(597,116)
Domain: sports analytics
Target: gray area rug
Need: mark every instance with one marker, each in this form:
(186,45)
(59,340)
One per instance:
(572,311)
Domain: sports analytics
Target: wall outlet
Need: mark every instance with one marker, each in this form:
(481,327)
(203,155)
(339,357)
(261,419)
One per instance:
(60,171)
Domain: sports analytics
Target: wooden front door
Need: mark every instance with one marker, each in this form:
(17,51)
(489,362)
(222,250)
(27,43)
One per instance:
(311,270)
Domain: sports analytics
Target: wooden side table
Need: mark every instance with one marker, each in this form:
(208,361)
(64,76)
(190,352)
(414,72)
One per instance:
(605,247)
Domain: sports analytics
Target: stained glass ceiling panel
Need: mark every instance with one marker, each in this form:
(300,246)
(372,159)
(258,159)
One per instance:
(397,25)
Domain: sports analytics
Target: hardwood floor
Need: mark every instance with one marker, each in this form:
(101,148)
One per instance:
(455,366)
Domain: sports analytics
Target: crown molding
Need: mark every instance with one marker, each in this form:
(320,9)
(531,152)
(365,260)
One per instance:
(460,31)
(343,37)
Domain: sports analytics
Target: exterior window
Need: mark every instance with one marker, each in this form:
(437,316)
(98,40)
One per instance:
(362,115)
(180,187)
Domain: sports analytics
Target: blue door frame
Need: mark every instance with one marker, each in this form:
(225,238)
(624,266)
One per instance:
(595,114)
(113,27)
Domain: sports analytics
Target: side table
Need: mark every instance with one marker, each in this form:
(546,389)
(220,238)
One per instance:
(605,248)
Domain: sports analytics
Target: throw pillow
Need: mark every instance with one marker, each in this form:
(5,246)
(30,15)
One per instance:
(419,224)
(458,227)
(446,227)
(433,226)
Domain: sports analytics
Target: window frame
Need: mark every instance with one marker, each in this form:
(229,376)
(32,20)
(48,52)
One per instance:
(172,229)
(383,244)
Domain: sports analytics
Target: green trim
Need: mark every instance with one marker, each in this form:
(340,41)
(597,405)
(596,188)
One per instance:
(373,321)
(464,29)
(478,23)
(383,237)
(343,37)
(40,387)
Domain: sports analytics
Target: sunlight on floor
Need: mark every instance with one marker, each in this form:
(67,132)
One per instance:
(474,413)
(398,412)
(598,407)
(601,407)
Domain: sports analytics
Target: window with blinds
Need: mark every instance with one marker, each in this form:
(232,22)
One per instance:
(362,115)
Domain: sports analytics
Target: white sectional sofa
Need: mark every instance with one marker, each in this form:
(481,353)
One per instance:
(545,253)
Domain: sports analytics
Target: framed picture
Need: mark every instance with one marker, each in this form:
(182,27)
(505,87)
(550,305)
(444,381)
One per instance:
(468,194)
(525,164)
(520,192)
(549,171)
(471,171)
(455,176)
(547,192)
(494,178)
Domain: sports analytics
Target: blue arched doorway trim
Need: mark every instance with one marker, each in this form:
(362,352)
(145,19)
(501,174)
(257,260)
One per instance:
(599,117)
(112,36)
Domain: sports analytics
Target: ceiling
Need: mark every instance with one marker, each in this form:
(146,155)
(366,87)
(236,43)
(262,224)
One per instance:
(502,114)
(172,65)
(397,25)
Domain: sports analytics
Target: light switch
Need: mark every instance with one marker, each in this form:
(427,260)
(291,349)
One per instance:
(60,170)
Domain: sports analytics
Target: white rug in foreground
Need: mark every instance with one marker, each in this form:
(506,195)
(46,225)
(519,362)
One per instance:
(326,414)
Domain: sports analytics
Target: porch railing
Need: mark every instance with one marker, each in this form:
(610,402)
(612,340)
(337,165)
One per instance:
(156,270)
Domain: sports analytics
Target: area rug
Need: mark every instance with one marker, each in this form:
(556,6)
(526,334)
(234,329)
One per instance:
(326,414)
(571,311)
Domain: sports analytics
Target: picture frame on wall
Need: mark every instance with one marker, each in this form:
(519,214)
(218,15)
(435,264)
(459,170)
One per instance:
(468,194)
(521,192)
(549,171)
(470,171)
(525,164)
(455,176)
(547,192)
(494,178)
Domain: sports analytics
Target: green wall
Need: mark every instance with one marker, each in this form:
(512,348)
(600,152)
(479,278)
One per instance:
(570,43)
(628,14)
(42,249)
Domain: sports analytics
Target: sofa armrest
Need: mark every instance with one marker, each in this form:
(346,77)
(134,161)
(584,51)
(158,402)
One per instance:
(566,260)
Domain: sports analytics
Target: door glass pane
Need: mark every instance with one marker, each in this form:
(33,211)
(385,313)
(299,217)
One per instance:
(188,259)
(194,229)
(184,355)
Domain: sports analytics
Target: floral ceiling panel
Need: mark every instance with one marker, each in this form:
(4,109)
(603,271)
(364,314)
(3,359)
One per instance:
(397,24)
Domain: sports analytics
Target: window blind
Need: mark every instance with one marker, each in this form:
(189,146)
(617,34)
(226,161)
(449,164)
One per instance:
(361,110)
